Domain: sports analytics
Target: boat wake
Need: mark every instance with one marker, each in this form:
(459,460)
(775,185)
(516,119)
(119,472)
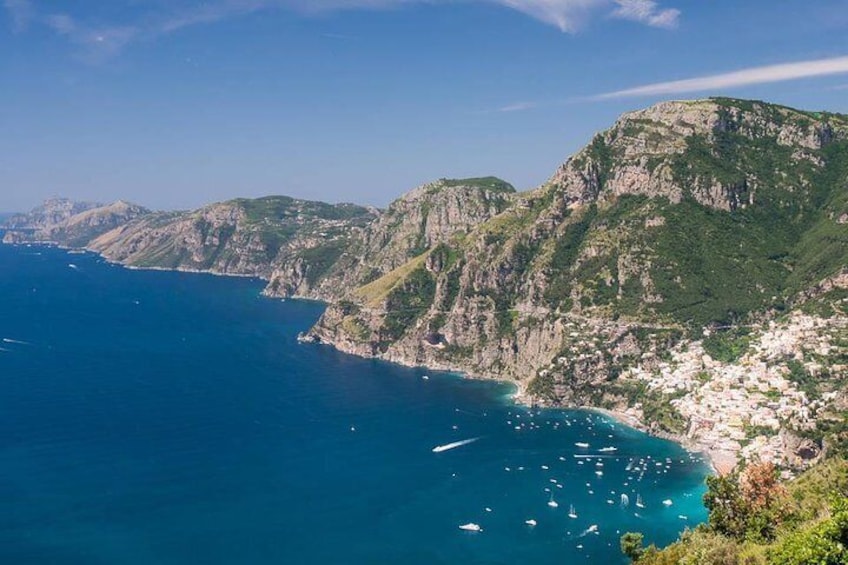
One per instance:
(453,445)
(15,341)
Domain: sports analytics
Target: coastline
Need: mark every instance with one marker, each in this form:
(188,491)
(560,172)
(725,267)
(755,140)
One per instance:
(719,462)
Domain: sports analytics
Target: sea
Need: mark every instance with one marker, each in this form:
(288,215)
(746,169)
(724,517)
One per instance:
(151,417)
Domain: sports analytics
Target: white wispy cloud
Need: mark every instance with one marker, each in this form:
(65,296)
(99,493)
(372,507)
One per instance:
(518,107)
(568,15)
(104,40)
(744,77)
(647,12)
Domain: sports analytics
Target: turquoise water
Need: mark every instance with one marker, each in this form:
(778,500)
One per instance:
(164,418)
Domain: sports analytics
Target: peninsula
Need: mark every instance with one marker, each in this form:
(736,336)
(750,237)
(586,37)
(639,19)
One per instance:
(687,271)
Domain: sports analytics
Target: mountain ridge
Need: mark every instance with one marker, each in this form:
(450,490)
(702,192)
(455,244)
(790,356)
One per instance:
(690,244)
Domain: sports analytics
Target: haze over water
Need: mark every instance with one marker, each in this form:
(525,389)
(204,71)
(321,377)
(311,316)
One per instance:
(168,418)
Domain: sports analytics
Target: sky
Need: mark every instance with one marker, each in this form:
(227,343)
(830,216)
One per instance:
(177,103)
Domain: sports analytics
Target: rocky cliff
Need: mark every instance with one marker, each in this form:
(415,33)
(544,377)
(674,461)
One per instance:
(688,267)
(69,223)
(681,221)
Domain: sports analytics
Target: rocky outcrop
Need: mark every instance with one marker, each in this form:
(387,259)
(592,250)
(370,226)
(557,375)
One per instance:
(605,287)
(243,237)
(69,223)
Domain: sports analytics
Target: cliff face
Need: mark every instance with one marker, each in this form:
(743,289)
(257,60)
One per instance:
(683,215)
(413,224)
(245,237)
(689,267)
(69,223)
(594,288)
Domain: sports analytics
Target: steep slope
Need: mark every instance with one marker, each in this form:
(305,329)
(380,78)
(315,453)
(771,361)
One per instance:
(681,217)
(688,269)
(69,223)
(418,221)
(244,236)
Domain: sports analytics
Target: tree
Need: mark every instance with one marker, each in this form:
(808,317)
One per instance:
(631,545)
(728,514)
(825,543)
(751,505)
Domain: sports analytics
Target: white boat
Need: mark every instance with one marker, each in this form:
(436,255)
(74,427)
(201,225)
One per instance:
(552,503)
(625,501)
(530,522)
(667,502)
(599,473)
(572,513)
(471,527)
(453,445)
(593,529)
(582,445)
(639,503)
(608,449)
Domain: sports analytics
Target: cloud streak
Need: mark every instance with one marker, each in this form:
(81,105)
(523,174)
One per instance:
(744,77)
(164,18)
(647,12)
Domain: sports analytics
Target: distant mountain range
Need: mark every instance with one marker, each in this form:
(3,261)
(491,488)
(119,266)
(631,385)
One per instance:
(687,269)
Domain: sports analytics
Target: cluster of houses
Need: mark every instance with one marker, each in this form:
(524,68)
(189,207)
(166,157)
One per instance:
(741,409)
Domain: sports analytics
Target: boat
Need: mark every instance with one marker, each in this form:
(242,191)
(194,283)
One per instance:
(530,522)
(582,444)
(453,445)
(572,513)
(625,501)
(553,503)
(608,449)
(593,529)
(599,473)
(639,503)
(667,502)
(471,527)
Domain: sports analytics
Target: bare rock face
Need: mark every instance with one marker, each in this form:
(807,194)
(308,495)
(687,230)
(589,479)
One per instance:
(602,287)
(69,223)
(244,237)
(423,218)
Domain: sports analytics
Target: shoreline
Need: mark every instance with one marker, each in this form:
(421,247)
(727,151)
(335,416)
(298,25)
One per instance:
(719,462)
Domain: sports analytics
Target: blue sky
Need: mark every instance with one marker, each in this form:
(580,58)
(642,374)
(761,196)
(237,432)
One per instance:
(176,103)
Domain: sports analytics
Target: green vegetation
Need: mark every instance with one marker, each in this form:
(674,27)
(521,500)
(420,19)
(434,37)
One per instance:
(407,302)
(565,253)
(489,183)
(278,208)
(658,410)
(756,520)
(320,259)
(727,345)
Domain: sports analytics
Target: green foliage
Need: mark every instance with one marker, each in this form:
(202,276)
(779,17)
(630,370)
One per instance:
(631,545)
(658,409)
(727,345)
(320,259)
(284,207)
(565,253)
(823,543)
(541,387)
(806,525)
(407,302)
(489,183)
(805,381)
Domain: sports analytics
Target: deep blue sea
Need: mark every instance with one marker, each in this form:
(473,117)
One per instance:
(167,418)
